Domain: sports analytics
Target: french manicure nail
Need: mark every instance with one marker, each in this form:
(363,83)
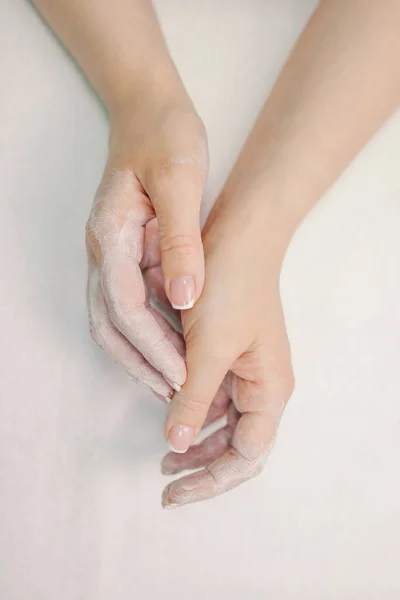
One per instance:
(182,291)
(168,506)
(175,386)
(180,438)
(166,502)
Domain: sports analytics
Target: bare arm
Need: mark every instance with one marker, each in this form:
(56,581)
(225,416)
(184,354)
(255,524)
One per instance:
(341,82)
(118,44)
(143,234)
(339,85)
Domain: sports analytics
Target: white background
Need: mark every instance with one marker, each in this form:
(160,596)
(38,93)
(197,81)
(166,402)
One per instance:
(80,446)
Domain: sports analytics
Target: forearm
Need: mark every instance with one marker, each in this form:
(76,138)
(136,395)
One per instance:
(339,85)
(118,44)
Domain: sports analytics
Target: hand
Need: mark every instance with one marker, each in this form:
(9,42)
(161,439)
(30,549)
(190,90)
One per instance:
(235,336)
(312,125)
(146,214)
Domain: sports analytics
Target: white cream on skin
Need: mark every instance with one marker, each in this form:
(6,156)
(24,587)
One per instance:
(118,305)
(229,456)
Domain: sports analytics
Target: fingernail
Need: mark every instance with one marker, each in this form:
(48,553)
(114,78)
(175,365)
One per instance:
(182,292)
(165,501)
(175,386)
(180,438)
(168,506)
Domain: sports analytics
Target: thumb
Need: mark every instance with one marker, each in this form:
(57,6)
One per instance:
(176,194)
(206,368)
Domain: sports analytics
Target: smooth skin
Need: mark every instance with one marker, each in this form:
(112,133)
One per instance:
(340,83)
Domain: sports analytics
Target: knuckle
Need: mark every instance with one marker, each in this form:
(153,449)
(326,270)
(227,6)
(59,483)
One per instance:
(277,378)
(258,468)
(280,388)
(124,312)
(192,328)
(196,406)
(187,245)
(93,219)
(92,228)
(120,318)
(129,322)
(249,467)
(285,385)
(174,173)
(89,230)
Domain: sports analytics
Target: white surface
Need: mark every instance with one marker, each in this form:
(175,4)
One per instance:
(80,514)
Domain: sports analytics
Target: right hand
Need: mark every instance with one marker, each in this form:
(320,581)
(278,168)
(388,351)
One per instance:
(237,354)
(144,232)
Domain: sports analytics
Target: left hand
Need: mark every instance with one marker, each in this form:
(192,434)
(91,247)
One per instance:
(144,235)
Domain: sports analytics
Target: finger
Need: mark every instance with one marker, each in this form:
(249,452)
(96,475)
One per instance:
(116,236)
(154,280)
(207,364)
(252,441)
(204,453)
(199,455)
(172,336)
(176,192)
(218,408)
(151,252)
(141,328)
(244,459)
(115,344)
(273,387)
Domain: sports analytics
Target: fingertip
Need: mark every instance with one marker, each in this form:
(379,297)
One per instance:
(183,491)
(166,501)
(166,467)
(175,386)
(180,375)
(165,399)
(185,307)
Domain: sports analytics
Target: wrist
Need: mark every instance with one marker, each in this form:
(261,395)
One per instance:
(149,96)
(154,128)
(259,220)
(234,237)
(154,79)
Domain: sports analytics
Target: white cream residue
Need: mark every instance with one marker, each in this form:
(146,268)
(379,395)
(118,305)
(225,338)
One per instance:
(118,303)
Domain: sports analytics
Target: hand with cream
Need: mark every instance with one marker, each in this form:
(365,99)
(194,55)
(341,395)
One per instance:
(339,85)
(144,230)
(146,215)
